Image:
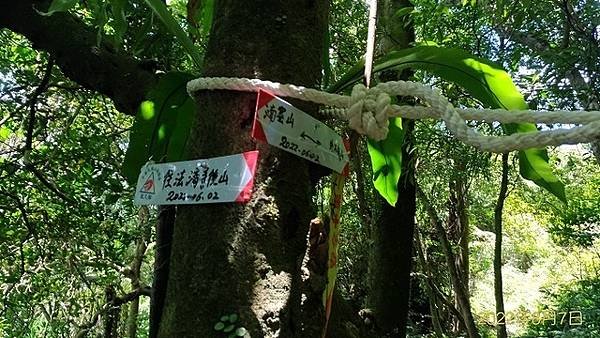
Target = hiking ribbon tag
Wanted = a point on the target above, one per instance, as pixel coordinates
(214, 180)
(284, 126)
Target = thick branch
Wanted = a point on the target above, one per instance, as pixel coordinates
(74, 46)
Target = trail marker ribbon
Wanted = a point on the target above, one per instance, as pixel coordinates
(214, 180)
(286, 127)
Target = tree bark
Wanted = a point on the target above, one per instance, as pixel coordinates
(135, 270)
(458, 227)
(111, 317)
(393, 231)
(462, 298)
(164, 235)
(247, 258)
(498, 291)
(434, 306)
(74, 47)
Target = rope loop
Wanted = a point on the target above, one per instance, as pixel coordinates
(368, 111)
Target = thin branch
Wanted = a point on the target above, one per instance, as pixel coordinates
(97, 67)
(24, 215)
(50, 185)
(498, 288)
(34, 99)
(118, 301)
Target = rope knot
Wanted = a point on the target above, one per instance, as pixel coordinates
(368, 112)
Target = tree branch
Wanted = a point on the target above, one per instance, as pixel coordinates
(33, 102)
(73, 44)
(48, 184)
(118, 301)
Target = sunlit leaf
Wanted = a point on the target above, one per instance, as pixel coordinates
(120, 21)
(208, 8)
(59, 6)
(386, 160)
(162, 125)
(484, 80)
(4, 133)
(161, 10)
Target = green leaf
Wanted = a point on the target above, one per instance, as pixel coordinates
(241, 331)
(229, 328)
(224, 318)
(4, 133)
(162, 125)
(386, 159)
(119, 20)
(161, 10)
(59, 6)
(98, 9)
(533, 164)
(219, 326)
(404, 11)
(111, 199)
(233, 318)
(208, 9)
(484, 80)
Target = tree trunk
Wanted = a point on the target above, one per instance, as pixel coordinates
(393, 231)
(498, 292)
(434, 306)
(247, 258)
(135, 271)
(164, 235)
(111, 317)
(458, 227)
(462, 298)
(392, 253)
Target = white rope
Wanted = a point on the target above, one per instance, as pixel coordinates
(368, 110)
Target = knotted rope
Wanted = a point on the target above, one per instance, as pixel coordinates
(368, 110)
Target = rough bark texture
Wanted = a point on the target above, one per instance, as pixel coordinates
(135, 271)
(111, 317)
(164, 235)
(345, 322)
(246, 258)
(74, 47)
(393, 231)
(458, 224)
(458, 228)
(498, 290)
